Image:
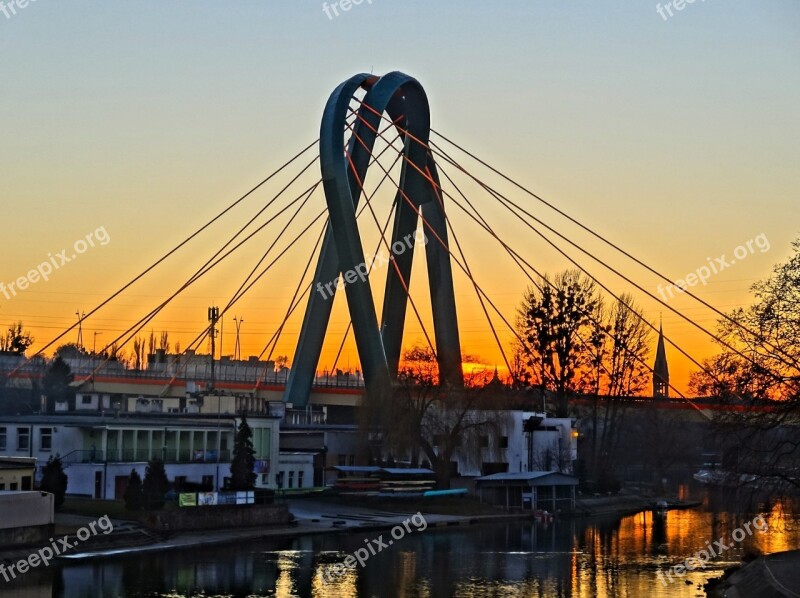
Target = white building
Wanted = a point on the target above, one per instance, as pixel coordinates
(527, 441)
(295, 470)
(100, 450)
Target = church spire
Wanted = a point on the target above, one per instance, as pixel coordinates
(660, 369)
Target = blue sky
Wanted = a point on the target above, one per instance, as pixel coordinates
(678, 138)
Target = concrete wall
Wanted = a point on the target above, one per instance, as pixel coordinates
(27, 517)
(218, 517)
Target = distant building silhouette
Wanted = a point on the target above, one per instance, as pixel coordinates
(660, 369)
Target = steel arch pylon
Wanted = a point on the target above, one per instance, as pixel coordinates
(379, 347)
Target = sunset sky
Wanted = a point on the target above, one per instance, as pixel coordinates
(677, 139)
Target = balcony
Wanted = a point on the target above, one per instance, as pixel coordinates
(143, 455)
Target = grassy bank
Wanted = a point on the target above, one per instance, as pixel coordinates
(96, 508)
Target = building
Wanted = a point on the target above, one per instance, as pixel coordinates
(534, 490)
(527, 441)
(99, 450)
(16, 473)
(660, 369)
(295, 471)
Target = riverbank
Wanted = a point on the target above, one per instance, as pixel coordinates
(311, 516)
(315, 515)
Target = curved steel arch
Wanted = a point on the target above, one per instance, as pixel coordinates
(379, 347)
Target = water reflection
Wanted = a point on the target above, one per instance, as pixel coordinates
(605, 558)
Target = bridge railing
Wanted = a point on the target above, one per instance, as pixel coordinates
(200, 374)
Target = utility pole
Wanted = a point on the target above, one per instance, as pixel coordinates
(213, 316)
(237, 350)
(80, 315)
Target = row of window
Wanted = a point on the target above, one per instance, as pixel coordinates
(290, 479)
(27, 484)
(24, 439)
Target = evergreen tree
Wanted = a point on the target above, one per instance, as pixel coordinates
(56, 384)
(155, 484)
(54, 480)
(244, 460)
(134, 495)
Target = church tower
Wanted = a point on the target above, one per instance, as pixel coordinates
(660, 369)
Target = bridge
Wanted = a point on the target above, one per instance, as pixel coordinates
(376, 141)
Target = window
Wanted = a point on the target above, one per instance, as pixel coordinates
(299, 479)
(13, 486)
(86, 399)
(291, 479)
(208, 481)
(352, 459)
(45, 439)
(2, 487)
(265, 479)
(3, 438)
(504, 442)
(23, 439)
(342, 460)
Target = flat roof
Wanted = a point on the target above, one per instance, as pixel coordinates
(357, 468)
(17, 462)
(534, 478)
(401, 471)
(135, 419)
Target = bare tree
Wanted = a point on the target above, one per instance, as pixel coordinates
(163, 342)
(425, 419)
(761, 372)
(151, 343)
(551, 321)
(138, 353)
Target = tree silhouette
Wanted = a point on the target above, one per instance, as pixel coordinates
(16, 340)
(134, 494)
(54, 480)
(552, 320)
(155, 484)
(244, 460)
(56, 384)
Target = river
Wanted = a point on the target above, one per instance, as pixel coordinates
(598, 557)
